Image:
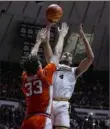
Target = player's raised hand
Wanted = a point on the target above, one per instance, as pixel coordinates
(41, 34)
(81, 32)
(64, 29)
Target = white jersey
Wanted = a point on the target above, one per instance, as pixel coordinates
(64, 83)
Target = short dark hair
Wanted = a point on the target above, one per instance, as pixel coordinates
(30, 64)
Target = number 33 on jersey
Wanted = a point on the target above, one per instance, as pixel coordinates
(33, 88)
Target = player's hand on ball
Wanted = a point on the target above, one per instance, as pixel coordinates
(42, 34)
(64, 29)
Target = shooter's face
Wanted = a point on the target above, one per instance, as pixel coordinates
(66, 58)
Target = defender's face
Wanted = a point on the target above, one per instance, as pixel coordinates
(67, 57)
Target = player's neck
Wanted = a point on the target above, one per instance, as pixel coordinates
(65, 63)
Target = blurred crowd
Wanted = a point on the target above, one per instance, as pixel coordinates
(91, 95)
(89, 123)
(10, 85)
(11, 90)
(10, 118)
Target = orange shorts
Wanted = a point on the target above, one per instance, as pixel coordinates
(37, 122)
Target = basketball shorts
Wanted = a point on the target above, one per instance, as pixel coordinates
(37, 122)
(60, 114)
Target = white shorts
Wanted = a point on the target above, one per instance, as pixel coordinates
(60, 114)
(48, 124)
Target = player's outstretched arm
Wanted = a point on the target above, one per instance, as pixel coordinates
(85, 64)
(59, 46)
(39, 39)
(47, 48)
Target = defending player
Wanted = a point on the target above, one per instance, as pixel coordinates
(36, 85)
(64, 82)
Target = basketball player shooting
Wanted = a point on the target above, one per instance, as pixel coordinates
(37, 84)
(64, 83)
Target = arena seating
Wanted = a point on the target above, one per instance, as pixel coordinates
(11, 118)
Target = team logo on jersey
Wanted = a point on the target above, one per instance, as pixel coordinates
(61, 76)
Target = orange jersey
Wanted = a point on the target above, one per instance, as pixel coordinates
(37, 90)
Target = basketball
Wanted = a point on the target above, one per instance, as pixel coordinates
(54, 13)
